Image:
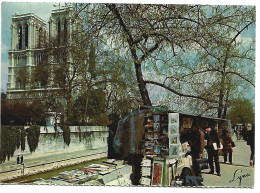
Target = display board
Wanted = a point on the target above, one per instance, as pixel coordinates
(174, 135)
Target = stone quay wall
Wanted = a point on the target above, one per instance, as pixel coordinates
(86, 143)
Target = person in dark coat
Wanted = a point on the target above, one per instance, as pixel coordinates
(250, 138)
(211, 136)
(197, 145)
(227, 145)
(18, 159)
(21, 159)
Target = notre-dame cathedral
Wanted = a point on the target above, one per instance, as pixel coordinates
(29, 34)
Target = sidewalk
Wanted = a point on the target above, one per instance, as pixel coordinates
(230, 174)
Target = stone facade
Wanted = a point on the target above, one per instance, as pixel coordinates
(29, 35)
(27, 40)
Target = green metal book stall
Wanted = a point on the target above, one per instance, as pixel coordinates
(154, 142)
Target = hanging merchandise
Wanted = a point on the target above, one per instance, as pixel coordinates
(156, 118)
(174, 136)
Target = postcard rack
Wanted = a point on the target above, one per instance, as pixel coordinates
(155, 141)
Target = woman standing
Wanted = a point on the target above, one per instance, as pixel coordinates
(227, 145)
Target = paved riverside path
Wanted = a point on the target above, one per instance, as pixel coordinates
(48, 162)
(241, 166)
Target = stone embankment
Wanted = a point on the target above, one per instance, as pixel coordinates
(48, 163)
(86, 143)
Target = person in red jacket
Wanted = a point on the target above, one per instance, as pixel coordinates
(227, 145)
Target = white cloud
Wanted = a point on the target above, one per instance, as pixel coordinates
(4, 48)
(4, 75)
(246, 40)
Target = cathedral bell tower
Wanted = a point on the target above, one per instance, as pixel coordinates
(28, 38)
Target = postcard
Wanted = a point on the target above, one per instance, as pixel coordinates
(93, 92)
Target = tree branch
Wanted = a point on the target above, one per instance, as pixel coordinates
(180, 94)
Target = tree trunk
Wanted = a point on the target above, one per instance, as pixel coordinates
(220, 104)
(226, 104)
(221, 96)
(69, 108)
(142, 85)
(84, 116)
(137, 62)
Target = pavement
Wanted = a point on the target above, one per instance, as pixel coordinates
(239, 174)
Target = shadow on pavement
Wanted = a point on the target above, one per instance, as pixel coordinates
(237, 165)
(209, 174)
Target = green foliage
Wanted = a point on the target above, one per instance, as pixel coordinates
(68, 64)
(41, 74)
(33, 135)
(80, 109)
(91, 105)
(11, 137)
(242, 111)
(37, 112)
(22, 77)
(97, 108)
(66, 134)
(23, 138)
(14, 113)
(21, 112)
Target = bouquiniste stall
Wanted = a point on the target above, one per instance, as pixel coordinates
(154, 142)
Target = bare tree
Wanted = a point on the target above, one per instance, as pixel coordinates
(160, 36)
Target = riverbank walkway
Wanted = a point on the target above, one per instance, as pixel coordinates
(33, 165)
(231, 174)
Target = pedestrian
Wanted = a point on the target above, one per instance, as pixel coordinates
(18, 159)
(243, 132)
(21, 159)
(227, 145)
(197, 145)
(212, 138)
(250, 138)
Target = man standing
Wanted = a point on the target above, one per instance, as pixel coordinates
(197, 146)
(18, 159)
(22, 159)
(250, 138)
(211, 136)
